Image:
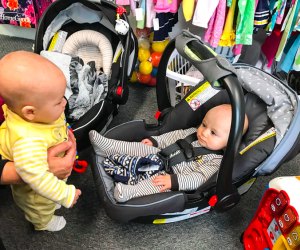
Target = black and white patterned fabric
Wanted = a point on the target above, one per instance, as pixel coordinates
(132, 169)
(280, 100)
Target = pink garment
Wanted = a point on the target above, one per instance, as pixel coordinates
(132, 6)
(271, 44)
(237, 49)
(281, 13)
(122, 2)
(150, 13)
(164, 6)
(174, 6)
(216, 24)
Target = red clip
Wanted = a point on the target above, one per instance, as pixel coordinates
(157, 115)
(121, 10)
(119, 90)
(80, 166)
(213, 200)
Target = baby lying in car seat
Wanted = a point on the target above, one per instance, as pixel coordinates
(180, 173)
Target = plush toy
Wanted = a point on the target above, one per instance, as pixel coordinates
(121, 27)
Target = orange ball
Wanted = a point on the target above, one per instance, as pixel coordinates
(155, 58)
(144, 78)
(145, 67)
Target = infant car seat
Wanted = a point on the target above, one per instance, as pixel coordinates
(270, 105)
(82, 33)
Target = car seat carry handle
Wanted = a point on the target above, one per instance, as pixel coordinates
(216, 69)
(209, 63)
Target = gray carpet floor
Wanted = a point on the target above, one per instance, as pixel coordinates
(88, 227)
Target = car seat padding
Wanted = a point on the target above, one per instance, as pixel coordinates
(90, 45)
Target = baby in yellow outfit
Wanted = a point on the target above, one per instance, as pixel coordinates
(33, 89)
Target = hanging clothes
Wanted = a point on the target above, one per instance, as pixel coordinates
(291, 61)
(216, 24)
(203, 12)
(188, 9)
(291, 22)
(261, 15)
(228, 35)
(244, 30)
(274, 9)
(271, 44)
(296, 65)
(140, 24)
(166, 23)
(281, 12)
(150, 13)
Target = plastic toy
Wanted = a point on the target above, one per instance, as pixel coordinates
(154, 71)
(152, 82)
(158, 46)
(143, 78)
(144, 43)
(145, 67)
(155, 58)
(276, 224)
(79, 166)
(122, 27)
(143, 54)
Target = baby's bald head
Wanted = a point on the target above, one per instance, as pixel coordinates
(26, 78)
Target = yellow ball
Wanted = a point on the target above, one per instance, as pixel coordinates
(158, 46)
(143, 54)
(145, 67)
(133, 77)
(166, 42)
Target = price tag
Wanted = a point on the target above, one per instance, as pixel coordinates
(155, 23)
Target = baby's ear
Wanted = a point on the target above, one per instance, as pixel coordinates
(28, 112)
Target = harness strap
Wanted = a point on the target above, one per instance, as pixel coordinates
(187, 152)
(178, 145)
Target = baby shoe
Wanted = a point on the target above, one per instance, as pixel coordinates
(57, 223)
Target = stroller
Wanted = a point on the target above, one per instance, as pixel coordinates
(84, 33)
(268, 102)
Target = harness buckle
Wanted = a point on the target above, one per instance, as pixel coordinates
(187, 148)
(165, 161)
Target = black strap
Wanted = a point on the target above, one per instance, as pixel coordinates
(178, 145)
(187, 152)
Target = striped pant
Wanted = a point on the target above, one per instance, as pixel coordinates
(104, 147)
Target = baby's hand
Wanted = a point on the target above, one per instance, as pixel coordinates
(164, 181)
(147, 142)
(77, 194)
